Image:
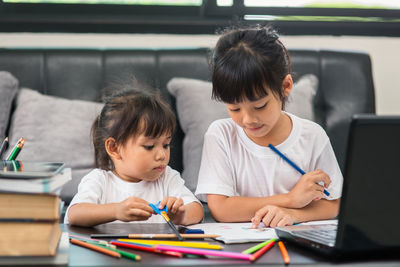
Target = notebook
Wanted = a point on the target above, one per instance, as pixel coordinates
(369, 213)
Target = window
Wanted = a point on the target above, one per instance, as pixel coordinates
(292, 17)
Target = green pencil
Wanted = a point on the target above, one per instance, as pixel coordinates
(14, 153)
(257, 247)
(123, 253)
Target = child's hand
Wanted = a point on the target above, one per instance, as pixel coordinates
(308, 189)
(133, 209)
(175, 208)
(273, 216)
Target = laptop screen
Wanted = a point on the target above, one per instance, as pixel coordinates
(370, 207)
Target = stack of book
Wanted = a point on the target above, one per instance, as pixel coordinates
(30, 214)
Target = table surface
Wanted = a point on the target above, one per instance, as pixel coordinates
(79, 256)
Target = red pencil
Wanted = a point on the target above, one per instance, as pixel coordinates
(146, 248)
(261, 251)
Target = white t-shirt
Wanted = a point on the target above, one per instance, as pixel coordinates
(102, 187)
(233, 165)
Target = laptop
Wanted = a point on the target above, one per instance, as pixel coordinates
(369, 216)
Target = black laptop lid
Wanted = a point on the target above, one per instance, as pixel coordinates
(370, 208)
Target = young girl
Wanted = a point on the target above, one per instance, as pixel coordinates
(241, 178)
(131, 138)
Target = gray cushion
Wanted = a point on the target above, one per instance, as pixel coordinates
(196, 110)
(8, 89)
(300, 100)
(56, 129)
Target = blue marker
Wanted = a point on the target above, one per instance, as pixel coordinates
(292, 164)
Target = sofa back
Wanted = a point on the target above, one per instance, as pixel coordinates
(345, 79)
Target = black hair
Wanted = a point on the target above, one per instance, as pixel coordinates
(247, 62)
(126, 114)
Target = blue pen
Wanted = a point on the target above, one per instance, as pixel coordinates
(292, 164)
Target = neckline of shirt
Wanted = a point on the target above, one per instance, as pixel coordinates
(265, 151)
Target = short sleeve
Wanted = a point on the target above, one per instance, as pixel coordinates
(327, 162)
(176, 187)
(216, 172)
(90, 190)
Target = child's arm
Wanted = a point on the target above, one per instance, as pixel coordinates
(237, 209)
(273, 216)
(190, 213)
(131, 209)
(241, 209)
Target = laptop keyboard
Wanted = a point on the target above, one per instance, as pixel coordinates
(325, 234)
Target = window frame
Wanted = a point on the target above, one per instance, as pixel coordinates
(205, 19)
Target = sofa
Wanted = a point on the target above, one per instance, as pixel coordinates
(51, 96)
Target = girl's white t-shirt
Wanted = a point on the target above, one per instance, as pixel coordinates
(103, 187)
(233, 165)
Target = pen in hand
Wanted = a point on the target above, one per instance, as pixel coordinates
(292, 164)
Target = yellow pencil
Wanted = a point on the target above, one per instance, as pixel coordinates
(173, 243)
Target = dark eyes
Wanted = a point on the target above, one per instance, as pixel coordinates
(263, 106)
(165, 146)
(257, 108)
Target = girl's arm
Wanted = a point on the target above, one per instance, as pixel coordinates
(273, 216)
(88, 214)
(193, 213)
(241, 209)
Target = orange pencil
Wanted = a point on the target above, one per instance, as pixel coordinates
(95, 248)
(285, 255)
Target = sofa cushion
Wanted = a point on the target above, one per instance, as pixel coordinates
(196, 110)
(8, 89)
(56, 129)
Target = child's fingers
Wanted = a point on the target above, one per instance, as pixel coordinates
(144, 207)
(176, 205)
(267, 219)
(286, 220)
(260, 215)
(163, 203)
(139, 214)
(322, 177)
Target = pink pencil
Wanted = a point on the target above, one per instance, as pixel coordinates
(209, 252)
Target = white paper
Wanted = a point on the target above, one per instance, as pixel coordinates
(230, 233)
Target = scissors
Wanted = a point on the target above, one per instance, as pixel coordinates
(163, 212)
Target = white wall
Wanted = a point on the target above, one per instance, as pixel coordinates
(383, 50)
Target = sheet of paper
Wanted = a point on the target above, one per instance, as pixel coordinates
(237, 232)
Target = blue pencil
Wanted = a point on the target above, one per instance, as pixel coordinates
(292, 164)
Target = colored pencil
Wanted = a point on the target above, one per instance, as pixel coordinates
(154, 236)
(261, 251)
(196, 251)
(95, 248)
(171, 225)
(292, 163)
(147, 248)
(17, 148)
(285, 254)
(123, 253)
(257, 247)
(98, 241)
(3, 147)
(173, 243)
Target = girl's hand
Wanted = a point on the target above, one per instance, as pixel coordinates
(273, 216)
(308, 189)
(175, 208)
(133, 209)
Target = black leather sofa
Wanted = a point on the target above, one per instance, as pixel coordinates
(345, 79)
